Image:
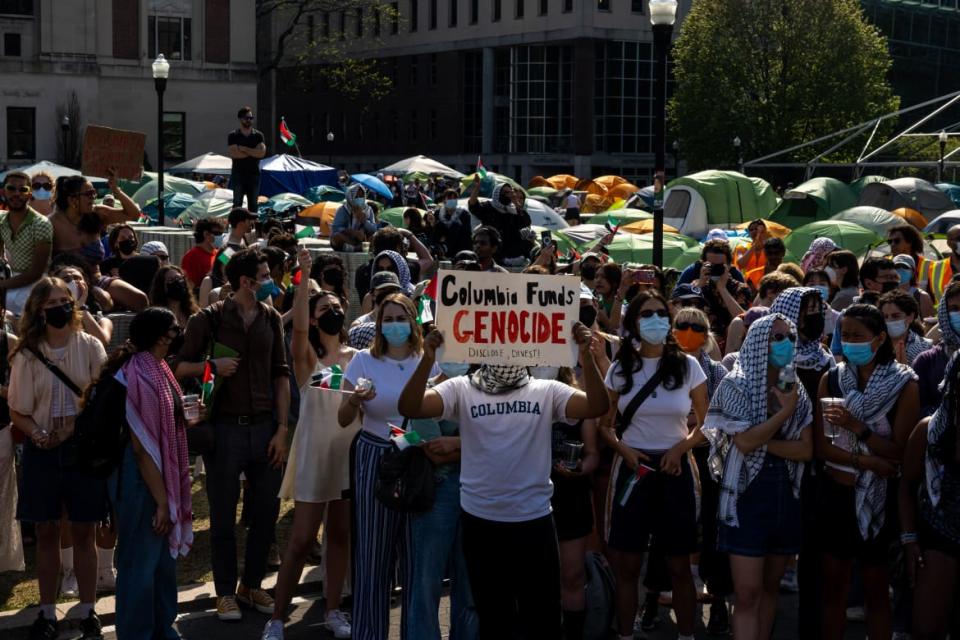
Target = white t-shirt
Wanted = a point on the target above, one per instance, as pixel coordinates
(389, 376)
(505, 446)
(661, 421)
(572, 201)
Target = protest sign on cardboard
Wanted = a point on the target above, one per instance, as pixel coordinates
(105, 148)
(507, 318)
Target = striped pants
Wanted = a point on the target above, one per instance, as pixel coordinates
(379, 543)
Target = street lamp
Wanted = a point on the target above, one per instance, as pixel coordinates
(663, 13)
(330, 138)
(943, 147)
(161, 69)
(65, 128)
(736, 152)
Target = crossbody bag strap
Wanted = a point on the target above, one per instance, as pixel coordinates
(638, 400)
(64, 378)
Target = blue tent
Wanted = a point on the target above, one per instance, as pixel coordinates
(290, 174)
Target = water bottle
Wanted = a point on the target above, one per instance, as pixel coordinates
(788, 378)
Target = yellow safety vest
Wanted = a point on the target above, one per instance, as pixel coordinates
(940, 274)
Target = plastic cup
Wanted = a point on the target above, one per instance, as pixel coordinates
(830, 430)
(571, 453)
(191, 407)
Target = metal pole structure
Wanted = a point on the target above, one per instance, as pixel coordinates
(661, 44)
(161, 69)
(942, 138)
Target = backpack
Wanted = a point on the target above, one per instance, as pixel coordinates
(405, 480)
(101, 431)
(600, 597)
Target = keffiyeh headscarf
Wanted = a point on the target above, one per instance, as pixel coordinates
(947, 332)
(741, 403)
(496, 379)
(811, 354)
(403, 269)
(495, 197)
(870, 407)
(818, 250)
(714, 370)
(939, 423)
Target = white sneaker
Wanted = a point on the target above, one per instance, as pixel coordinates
(788, 583)
(273, 630)
(107, 580)
(337, 624)
(68, 586)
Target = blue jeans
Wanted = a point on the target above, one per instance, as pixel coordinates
(146, 572)
(436, 546)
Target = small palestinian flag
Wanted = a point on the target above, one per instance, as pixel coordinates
(226, 254)
(612, 224)
(481, 170)
(426, 301)
(207, 384)
(288, 137)
(329, 378)
(305, 231)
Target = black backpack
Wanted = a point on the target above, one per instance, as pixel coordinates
(101, 431)
(405, 480)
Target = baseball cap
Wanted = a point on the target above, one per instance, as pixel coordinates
(905, 260)
(154, 247)
(383, 279)
(718, 234)
(585, 293)
(239, 215)
(686, 291)
(590, 254)
(465, 256)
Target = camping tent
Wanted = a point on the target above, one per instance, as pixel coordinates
(846, 235)
(679, 251)
(858, 185)
(952, 191)
(815, 199)
(421, 164)
(943, 223)
(206, 163)
(55, 170)
(708, 199)
(912, 193)
(877, 220)
(171, 184)
(542, 215)
(289, 174)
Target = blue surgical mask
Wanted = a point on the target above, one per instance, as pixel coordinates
(824, 292)
(396, 333)
(905, 275)
(454, 369)
(450, 205)
(265, 289)
(955, 321)
(218, 241)
(359, 202)
(654, 329)
(781, 353)
(42, 194)
(857, 353)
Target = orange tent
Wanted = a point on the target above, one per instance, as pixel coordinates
(593, 203)
(591, 186)
(912, 216)
(563, 181)
(323, 211)
(775, 229)
(611, 181)
(645, 226)
(538, 181)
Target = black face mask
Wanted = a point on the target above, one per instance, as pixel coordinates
(59, 317)
(177, 290)
(333, 277)
(505, 198)
(127, 246)
(588, 272)
(889, 286)
(331, 322)
(588, 315)
(812, 326)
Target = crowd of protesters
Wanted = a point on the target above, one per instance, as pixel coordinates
(745, 427)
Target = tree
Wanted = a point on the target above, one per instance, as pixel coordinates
(775, 73)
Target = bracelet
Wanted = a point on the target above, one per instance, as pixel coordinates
(908, 537)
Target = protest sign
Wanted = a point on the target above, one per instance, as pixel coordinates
(105, 148)
(507, 318)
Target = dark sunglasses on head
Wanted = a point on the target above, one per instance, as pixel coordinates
(777, 337)
(42, 185)
(649, 313)
(10, 188)
(683, 326)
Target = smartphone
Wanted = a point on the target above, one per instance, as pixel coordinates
(644, 276)
(546, 238)
(717, 269)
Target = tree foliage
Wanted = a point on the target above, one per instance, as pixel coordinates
(775, 73)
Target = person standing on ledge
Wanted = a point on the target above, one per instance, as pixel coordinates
(246, 146)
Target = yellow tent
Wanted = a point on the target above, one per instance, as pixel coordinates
(538, 181)
(323, 211)
(912, 216)
(562, 181)
(645, 226)
(775, 229)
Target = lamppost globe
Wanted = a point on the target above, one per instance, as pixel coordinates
(663, 12)
(161, 68)
(943, 137)
(330, 137)
(736, 142)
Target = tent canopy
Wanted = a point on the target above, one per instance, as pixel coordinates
(943, 223)
(815, 199)
(289, 174)
(911, 193)
(877, 220)
(171, 184)
(679, 251)
(952, 191)
(858, 185)
(847, 235)
(54, 169)
(421, 164)
(206, 163)
(700, 201)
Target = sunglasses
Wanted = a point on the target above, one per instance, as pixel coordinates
(42, 185)
(649, 313)
(247, 118)
(777, 337)
(895, 240)
(15, 189)
(683, 326)
(92, 193)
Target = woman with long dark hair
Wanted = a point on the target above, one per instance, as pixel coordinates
(170, 289)
(150, 490)
(653, 493)
(902, 316)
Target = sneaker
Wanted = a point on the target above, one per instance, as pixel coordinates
(650, 619)
(788, 583)
(856, 614)
(273, 630)
(91, 627)
(273, 557)
(719, 622)
(43, 629)
(68, 586)
(227, 609)
(255, 599)
(337, 624)
(107, 580)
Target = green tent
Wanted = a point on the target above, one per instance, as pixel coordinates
(815, 199)
(697, 202)
(873, 218)
(543, 192)
(952, 191)
(171, 184)
(858, 185)
(486, 184)
(395, 215)
(679, 251)
(174, 204)
(324, 193)
(847, 235)
(284, 201)
(205, 208)
(620, 216)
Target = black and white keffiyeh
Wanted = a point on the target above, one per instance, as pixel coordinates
(714, 370)
(739, 404)
(916, 345)
(495, 198)
(870, 407)
(939, 423)
(496, 379)
(403, 269)
(811, 354)
(947, 333)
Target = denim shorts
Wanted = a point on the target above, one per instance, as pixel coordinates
(769, 516)
(49, 484)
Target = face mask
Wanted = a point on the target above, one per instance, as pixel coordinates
(59, 317)
(333, 277)
(689, 340)
(177, 290)
(359, 202)
(505, 198)
(896, 328)
(127, 246)
(824, 292)
(265, 289)
(889, 286)
(588, 272)
(74, 289)
(813, 326)
(454, 369)
(832, 274)
(654, 329)
(588, 315)
(512, 209)
(396, 333)
(781, 353)
(905, 275)
(544, 373)
(450, 205)
(955, 321)
(42, 194)
(217, 242)
(857, 353)
(331, 322)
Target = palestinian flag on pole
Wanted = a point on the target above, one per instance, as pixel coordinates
(426, 302)
(305, 231)
(329, 378)
(226, 254)
(207, 383)
(481, 170)
(288, 137)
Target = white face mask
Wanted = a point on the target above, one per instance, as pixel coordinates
(42, 194)
(74, 289)
(896, 328)
(544, 373)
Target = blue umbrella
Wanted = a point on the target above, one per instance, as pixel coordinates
(373, 183)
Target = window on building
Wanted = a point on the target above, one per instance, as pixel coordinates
(518, 9)
(343, 25)
(603, 5)
(474, 11)
(624, 97)
(11, 45)
(433, 15)
(21, 133)
(17, 7)
(496, 10)
(636, 6)
(452, 14)
(414, 71)
(395, 25)
(541, 99)
(472, 100)
(433, 70)
(325, 24)
(174, 136)
(414, 129)
(359, 27)
(433, 124)
(567, 6)
(169, 36)
(544, 7)
(414, 15)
